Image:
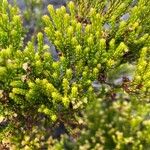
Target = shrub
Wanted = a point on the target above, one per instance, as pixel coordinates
(79, 90)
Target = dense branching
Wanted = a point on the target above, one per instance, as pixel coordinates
(99, 82)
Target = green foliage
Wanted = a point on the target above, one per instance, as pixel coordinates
(117, 125)
(78, 91)
(11, 29)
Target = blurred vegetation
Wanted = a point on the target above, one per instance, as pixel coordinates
(95, 95)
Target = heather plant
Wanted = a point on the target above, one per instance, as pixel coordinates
(118, 119)
(11, 29)
(99, 82)
(122, 20)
